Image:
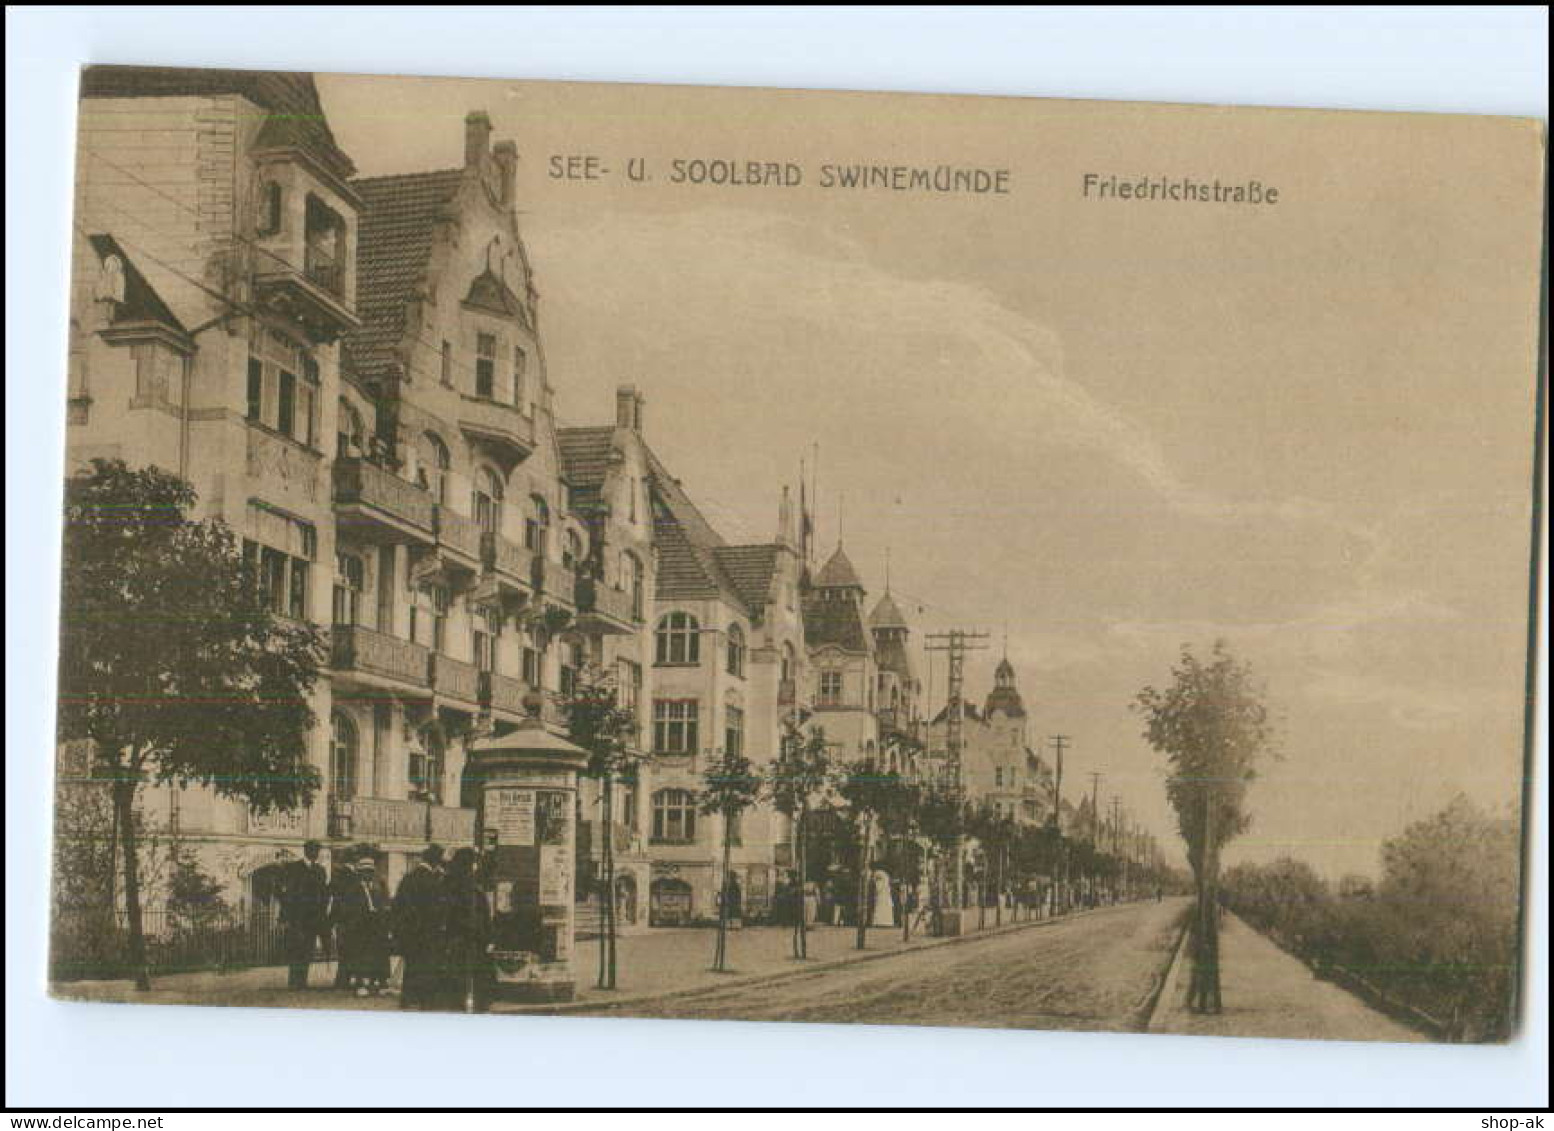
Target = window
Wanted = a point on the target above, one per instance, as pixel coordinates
(275, 363)
(348, 431)
(572, 550)
(678, 640)
(441, 463)
(830, 689)
(282, 580)
(255, 388)
(488, 501)
(734, 731)
(531, 667)
(487, 627)
(485, 365)
(629, 690)
(520, 371)
(998, 775)
(674, 726)
(674, 816)
(437, 602)
(426, 767)
(635, 584)
(447, 363)
(270, 204)
(348, 588)
(571, 665)
(787, 664)
(343, 748)
(537, 525)
(736, 650)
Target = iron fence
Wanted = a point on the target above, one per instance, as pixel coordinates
(94, 943)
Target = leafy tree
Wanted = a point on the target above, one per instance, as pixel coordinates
(598, 724)
(801, 774)
(876, 799)
(171, 663)
(732, 786)
(1212, 725)
(941, 820)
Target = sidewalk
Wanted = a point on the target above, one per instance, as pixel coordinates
(1270, 993)
(660, 962)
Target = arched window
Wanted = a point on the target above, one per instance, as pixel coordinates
(536, 527)
(572, 550)
(678, 640)
(349, 433)
(439, 463)
(635, 583)
(342, 756)
(488, 500)
(736, 650)
(674, 816)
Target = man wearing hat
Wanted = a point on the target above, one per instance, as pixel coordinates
(304, 899)
(420, 919)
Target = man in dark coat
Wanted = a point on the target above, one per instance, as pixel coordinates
(420, 925)
(304, 900)
(468, 984)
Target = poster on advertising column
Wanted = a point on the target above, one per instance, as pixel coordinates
(511, 813)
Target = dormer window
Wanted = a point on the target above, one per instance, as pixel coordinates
(520, 378)
(323, 254)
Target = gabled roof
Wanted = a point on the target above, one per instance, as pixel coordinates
(296, 116)
(969, 711)
(142, 304)
(838, 573)
(887, 614)
(750, 569)
(394, 244)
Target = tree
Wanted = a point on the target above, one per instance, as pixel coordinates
(171, 661)
(801, 774)
(1212, 725)
(598, 724)
(731, 787)
(941, 819)
(875, 799)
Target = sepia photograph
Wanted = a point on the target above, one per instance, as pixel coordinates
(604, 550)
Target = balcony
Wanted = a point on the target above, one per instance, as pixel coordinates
(313, 297)
(502, 428)
(514, 570)
(505, 696)
(604, 609)
(458, 538)
(376, 818)
(378, 660)
(455, 680)
(376, 505)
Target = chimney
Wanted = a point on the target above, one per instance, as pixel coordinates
(506, 154)
(785, 520)
(477, 138)
(627, 412)
(636, 418)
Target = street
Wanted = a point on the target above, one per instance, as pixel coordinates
(1097, 971)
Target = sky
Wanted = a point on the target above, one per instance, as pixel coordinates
(1097, 431)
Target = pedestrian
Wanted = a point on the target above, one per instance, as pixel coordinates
(469, 979)
(341, 878)
(361, 923)
(420, 926)
(304, 900)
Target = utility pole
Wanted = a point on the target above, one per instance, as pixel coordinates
(1059, 741)
(956, 643)
(1116, 859)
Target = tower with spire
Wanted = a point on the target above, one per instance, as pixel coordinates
(842, 658)
(899, 690)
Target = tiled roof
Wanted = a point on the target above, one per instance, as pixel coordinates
(394, 243)
(585, 455)
(838, 622)
(296, 115)
(969, 711)
(838, 573)
(750, 568)
(141, 301)
(1007, 700)
(887, 614)
(688, 567)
